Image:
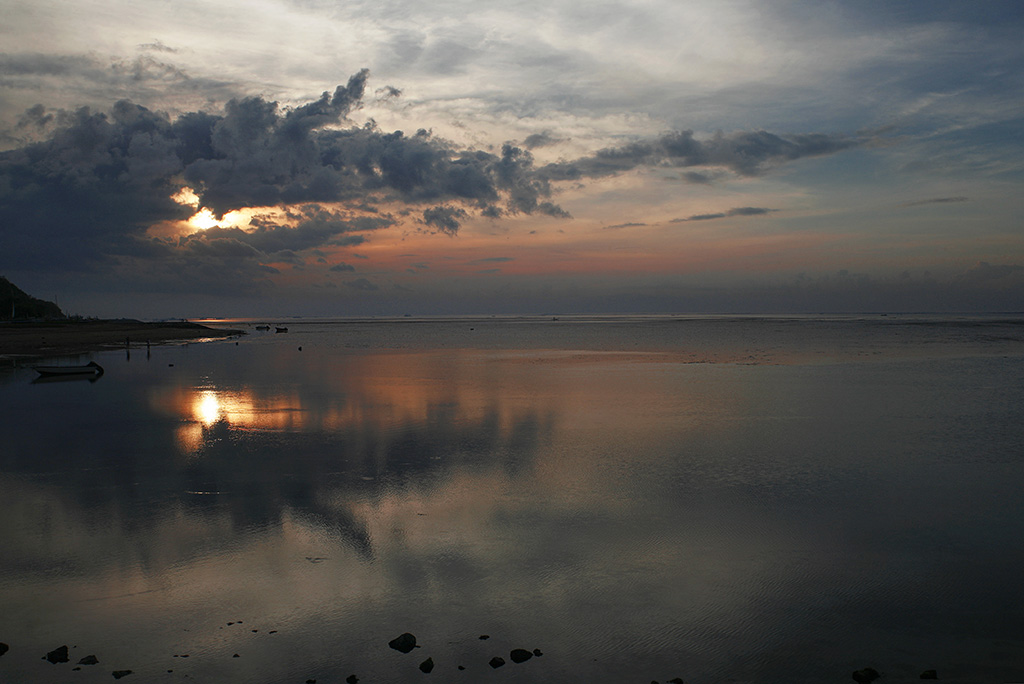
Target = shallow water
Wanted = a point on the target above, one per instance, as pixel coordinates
(716, 499)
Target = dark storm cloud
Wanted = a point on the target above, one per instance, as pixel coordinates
(342, 267)
(735, 211)
(744, 153)
(85, 196)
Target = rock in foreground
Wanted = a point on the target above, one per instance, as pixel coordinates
(58, 655)
(404, 643)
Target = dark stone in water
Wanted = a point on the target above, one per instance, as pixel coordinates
(404, 643)
(497, 662)
(351, 679)
(236, 656)
(485, 637)
(677, 680)
(520, 655)
(866, 676)
(4, 648)
(310, 681)
(462, 667)
(75, 669)
(120, 673)
(58, 655)
(89, 660)
(427, 665)
(929, 674)
(537, 652)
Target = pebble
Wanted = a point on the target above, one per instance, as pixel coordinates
(496, 662)
(120, 673)
(427, 666)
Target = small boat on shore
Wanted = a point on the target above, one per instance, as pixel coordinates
(281, 330)
(91, 368)
(263, 327)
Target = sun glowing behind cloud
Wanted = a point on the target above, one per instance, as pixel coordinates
(204, 219)
(186, 196)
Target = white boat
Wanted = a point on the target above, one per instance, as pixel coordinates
(91, 368)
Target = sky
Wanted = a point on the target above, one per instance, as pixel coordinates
(335, 158)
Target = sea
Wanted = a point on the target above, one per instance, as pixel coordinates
(570, 499)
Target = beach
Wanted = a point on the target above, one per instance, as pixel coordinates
(55, 338)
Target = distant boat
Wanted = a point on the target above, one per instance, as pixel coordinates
(280, 329)
(91, 368)
(263, 327)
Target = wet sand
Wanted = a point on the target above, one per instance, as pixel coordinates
(54, 338)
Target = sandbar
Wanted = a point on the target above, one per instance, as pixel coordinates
(56, 338)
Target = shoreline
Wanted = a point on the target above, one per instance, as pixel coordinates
(40, 339)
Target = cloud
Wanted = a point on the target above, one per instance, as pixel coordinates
(735, 211)
(749, 211)
(86, 196)
(156, 46)
(387, 93)
(936, 200)
(444, 218)
(540, 140)
(744, 153)
(984, 272)
(492, 260)
(362, 284)
(624, 225)
(342, 267)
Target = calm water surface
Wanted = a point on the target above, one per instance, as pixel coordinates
(716, 499)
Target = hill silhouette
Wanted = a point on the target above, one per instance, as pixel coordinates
(15, 304)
